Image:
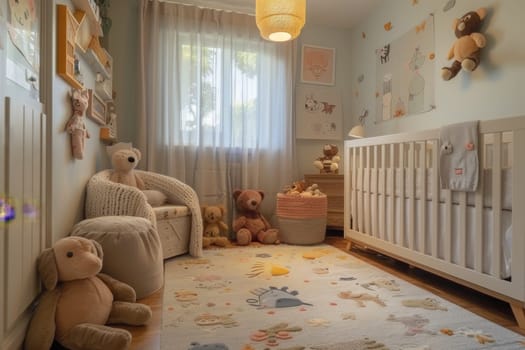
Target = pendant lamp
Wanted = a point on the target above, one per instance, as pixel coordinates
(280, 20)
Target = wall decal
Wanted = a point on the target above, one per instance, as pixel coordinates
(405, 73)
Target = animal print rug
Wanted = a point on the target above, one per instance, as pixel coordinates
(309, 297)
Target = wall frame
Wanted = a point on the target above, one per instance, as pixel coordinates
(97, 108)
(318, 65)
(67, 28)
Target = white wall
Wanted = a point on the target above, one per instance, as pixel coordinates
(308, 150)
(69, 176)
(494, 90)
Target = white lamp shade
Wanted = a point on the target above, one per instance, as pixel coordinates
(280, 20)
(357, 132)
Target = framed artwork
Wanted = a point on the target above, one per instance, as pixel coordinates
(319, 113)
(96, 108)
(22, 45)
(317, 65)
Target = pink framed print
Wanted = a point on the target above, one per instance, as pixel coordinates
(317, 65)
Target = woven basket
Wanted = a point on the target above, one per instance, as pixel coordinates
(302, 220)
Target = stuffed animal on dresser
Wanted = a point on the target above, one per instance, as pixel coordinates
(76, 125)
(329, 162)
(79, 301)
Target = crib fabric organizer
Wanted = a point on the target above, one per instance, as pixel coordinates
(395, 204)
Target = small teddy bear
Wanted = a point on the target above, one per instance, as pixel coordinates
(214, 226)
(79, 301)
(76, 125)
(329, 162)
(124, 161)
(249, 224)
(466, 49)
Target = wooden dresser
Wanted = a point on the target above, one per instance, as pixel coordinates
(333, 186)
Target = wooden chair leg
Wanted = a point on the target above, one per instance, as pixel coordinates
(519, 314)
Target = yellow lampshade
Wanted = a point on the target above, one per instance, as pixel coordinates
(280, 20)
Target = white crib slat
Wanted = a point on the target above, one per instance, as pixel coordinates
(423, 197)
(353, 205)
(448, 226)
(392, 194)
(435, 199)
(382, 202)
(462, 228)
(360, 215)
(402, 174)
(496, 206)
(411, 195)
(478, 211)
(367, 204)
(374, 188)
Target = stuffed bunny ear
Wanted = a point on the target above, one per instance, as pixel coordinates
(455, 23)
(47, 268)
(98, 249)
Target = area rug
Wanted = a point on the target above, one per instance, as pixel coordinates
(313, 298)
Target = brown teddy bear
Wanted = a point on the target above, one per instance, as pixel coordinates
(329, 162)
(214, 226)
(467, 48)
(79, 301)
(124, 162)
(249, 224)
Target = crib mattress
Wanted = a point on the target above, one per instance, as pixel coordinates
(401, 236)
(376, 180)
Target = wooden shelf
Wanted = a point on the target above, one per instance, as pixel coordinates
(95, 63)
(67, 28)
(93, 18)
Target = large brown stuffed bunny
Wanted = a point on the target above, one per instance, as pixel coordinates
(249, 224)
(467, 48)
(79, 301)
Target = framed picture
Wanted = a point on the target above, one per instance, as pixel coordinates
(96, 108)
(317, 65)
(319, 113)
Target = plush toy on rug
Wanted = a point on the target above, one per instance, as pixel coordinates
(466, 49)
(214, 226)
(76, 125)
(124, 162)
(329, 162)
(249, 224)
(79, 301)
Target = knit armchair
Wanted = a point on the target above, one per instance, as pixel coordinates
(108, 198)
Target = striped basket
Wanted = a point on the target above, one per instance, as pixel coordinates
(302, 220)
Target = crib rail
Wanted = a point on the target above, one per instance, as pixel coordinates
(394, 203)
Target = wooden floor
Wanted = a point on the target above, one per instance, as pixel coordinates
(148, 337)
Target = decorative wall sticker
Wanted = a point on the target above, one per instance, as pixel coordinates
(388, 26)
(415, 90)
(450, 4)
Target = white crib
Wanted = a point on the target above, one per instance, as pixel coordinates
(394, 204)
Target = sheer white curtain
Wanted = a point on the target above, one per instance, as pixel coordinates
(216, 102)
